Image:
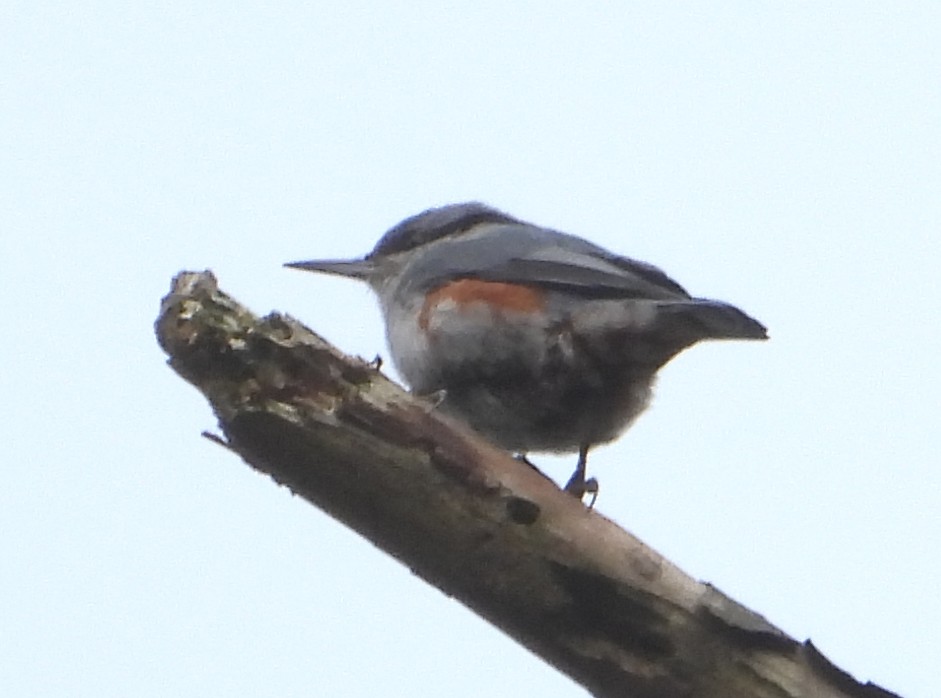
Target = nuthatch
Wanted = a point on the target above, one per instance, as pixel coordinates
(540, 340)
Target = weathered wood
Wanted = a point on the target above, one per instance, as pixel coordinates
(567, 583)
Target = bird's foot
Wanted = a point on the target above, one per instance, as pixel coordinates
(578, 487)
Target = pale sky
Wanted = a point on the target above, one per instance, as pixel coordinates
(782, 156)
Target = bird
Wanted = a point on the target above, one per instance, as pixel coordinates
(540, 340)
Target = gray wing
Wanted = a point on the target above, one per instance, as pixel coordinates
(521, 253)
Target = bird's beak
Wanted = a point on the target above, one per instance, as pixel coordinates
(352, 268)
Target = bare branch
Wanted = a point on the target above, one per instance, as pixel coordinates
(580, 592)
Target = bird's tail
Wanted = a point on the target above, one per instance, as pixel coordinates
(699, 318)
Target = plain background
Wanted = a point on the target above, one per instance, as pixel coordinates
(784, 156)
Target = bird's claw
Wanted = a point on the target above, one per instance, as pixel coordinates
(578, 487)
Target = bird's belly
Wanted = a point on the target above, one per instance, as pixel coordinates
(550, 415)
(522, 381)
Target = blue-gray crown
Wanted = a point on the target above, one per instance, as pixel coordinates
(437, 223)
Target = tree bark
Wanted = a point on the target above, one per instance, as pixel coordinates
(485, 528)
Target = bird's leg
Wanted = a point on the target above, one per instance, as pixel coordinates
(577, 485)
